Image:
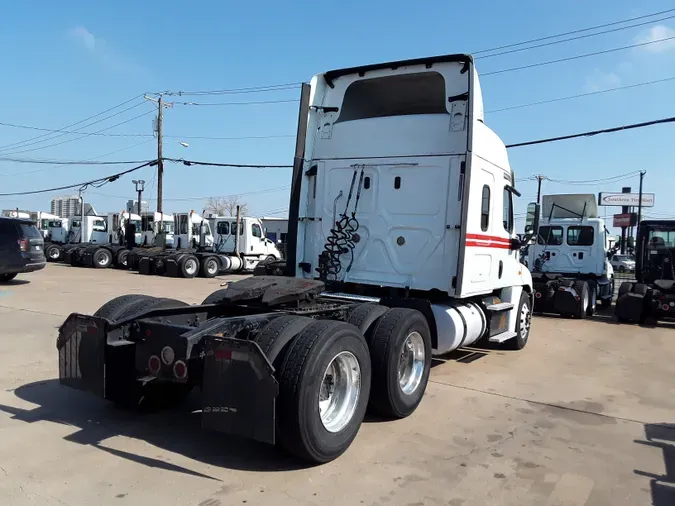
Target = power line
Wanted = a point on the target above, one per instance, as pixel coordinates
(76, 123)
(235, 165)
(570, 97)
(517, 50)
(581, 30)
(78, 162)
(610, 179)
(595, 132)
(259, 102)
(93, 182)
(28, 127)
(204, 197)
(236, 91)
(88, 161)
(76, 131)
(258, 137)
(576, 57)
(79, 138)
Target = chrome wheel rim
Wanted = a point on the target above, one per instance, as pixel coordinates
(411, 363)
(212, 267)
(525, 321)
(191, 266)
(53, 253)
(102, 259)
(585, 301)
(339, 391)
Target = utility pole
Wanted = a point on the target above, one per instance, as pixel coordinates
(160, 158)
(639, 216)
(140, 186)
(539, 180)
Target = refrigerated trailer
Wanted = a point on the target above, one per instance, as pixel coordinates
(401, 245)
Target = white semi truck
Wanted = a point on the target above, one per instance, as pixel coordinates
(401, 246)
(100, 242)
(570, 258)
(207, 246)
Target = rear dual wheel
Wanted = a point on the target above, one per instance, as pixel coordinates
(102, 258)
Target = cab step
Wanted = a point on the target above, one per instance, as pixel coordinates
(498, 308)
(504, 336)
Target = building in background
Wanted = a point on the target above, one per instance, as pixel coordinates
(65, 207)
(132, 206)
(275, 229)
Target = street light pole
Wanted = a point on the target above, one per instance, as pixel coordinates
(140, 186)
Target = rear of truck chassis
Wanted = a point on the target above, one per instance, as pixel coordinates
(401, 245)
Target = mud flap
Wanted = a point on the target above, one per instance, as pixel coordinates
(239, 389)
(81, 346)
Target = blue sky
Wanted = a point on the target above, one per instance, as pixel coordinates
(65, 61)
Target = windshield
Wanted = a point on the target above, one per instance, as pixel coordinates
(136, 223)
(167, 227)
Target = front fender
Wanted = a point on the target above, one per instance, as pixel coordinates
(526, 278)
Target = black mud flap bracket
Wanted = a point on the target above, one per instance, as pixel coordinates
(81, 346)
(239, 389)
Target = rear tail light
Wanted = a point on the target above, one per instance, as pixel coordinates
(24, 245)
(180, 370)
(154, 364)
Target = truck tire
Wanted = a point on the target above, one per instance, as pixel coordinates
(324, 382)
(210, 267)
(364, 316)
(523, 324)
(188, 265)
(274, 337)
(122, 259)
(626, 287)
(607, 301)
(102, 258)
(4, 278)
(53, 253)
(581, 287)
(113, 307)
(400, 351)
(592, 299)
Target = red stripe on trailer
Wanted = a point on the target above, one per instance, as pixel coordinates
(491, 238)
(485, 244)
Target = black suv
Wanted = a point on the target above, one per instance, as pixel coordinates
(21, 248)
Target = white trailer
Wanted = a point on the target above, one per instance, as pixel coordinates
(401, 246)
(570, 258)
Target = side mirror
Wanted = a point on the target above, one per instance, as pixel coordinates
(532, 219)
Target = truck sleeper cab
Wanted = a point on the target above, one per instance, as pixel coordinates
(569, 260)
(401, 245)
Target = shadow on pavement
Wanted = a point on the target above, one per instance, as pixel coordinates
(14, 282)
(661, 436)
(178, 431)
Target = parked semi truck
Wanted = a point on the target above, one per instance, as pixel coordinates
(102, 242)
(569, 260)
(207, 246)
(652, 297)
(401, 245)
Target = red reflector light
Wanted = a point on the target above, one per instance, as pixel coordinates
(665, 307)
(24, 245)
(154, 364)
(180, 370)
(538, 295)
(148, 333)
(561, 289)
(224, 354)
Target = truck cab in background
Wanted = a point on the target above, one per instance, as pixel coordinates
(653, 296)
(250, 244)
(153, 223)
(569, 260)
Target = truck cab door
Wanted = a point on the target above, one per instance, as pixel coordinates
(585, 250)
(256, 240)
